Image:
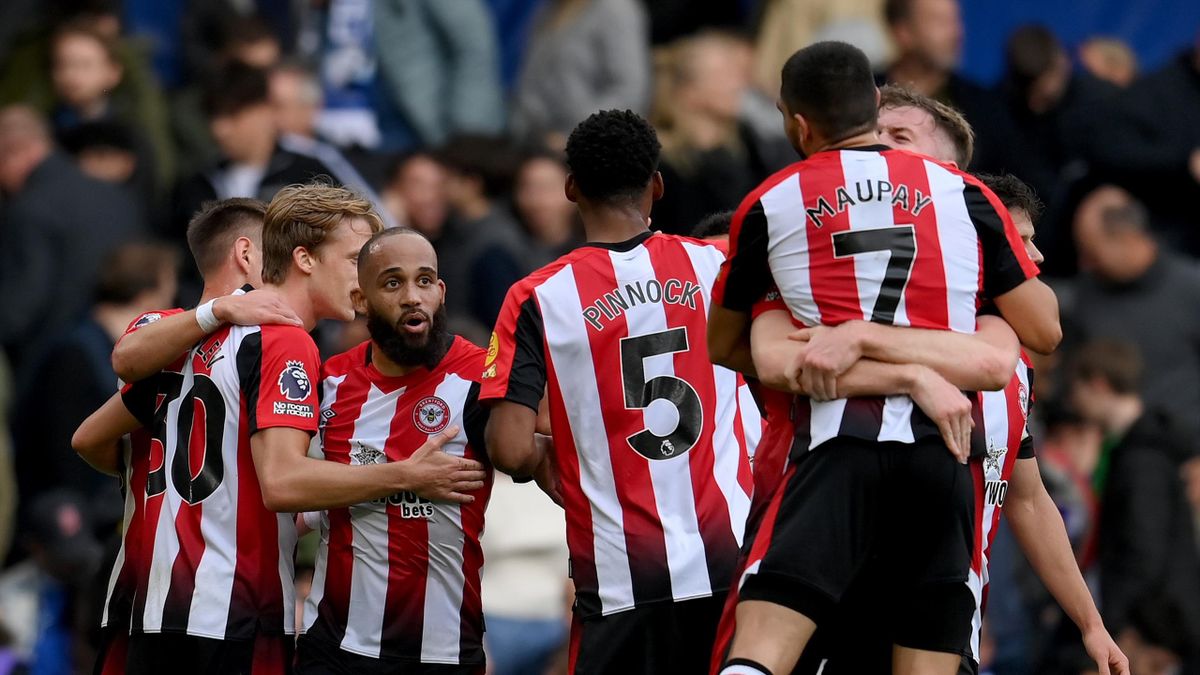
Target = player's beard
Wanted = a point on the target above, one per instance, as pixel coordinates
(409, 350)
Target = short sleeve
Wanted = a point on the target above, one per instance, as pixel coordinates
(1006, 265)
(141, 399)
(515, 366)
(745, 276)
(475, 418)
(1027, 450)
(770, 302)
(276, 366)
(147, 318)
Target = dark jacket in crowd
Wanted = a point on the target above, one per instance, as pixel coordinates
(1149, 566)
(285, 168)
(479, 261)
(54, 234)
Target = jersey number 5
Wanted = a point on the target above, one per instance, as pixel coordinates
(901, 242)
(640, 393)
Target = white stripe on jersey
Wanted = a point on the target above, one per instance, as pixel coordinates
(570, 353)
(127, 518)
(706, 262)
(962, 272)
(781, 205)
(369, 526)
(870, 267)
(329, 394)
(671, 478)
(441, 631)
(166, 542)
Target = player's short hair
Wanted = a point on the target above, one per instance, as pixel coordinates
(491, 159)
(613, 155)
(364, 253)
(1014, 193)
(218, 224)
(1117, 363)
(713, 225)
(304, 215)
(133, 269)
(234, 88)
(897, 11)
(832, 86)
(945, 117)
(84, 27)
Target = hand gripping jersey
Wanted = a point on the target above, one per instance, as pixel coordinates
(650, 439)
(872, 234)
(398, 578)
(219, 564)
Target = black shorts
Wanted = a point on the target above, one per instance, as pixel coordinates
(902, 511)
(156, 653)
(665, 637)
(317, 657)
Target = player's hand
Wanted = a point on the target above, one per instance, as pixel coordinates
(1109, 658)
(949, 408)
(439, 477)
(830, 352)
(256, 308)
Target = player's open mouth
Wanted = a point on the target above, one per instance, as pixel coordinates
(414, 323)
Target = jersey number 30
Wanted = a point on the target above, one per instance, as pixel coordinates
(640, 393)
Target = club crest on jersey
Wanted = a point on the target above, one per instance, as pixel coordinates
(1023, 398)
(294, 384)
(431, 414)
(147, 319)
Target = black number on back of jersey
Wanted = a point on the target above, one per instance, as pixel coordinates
(640, 393)
(204, 405)
(901, 241)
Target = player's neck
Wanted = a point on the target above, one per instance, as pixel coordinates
(613, 224)
(219, 285)
(866, 138)
(296, 295)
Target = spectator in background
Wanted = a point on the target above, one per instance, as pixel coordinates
(1109, 59)
(488, 254)
(1135, 291)
(76, 374)
(87, 75)
(788, 25)
(415, 195)
(253, 164)
(540, 201)
(710, 160)
(1150, 144)
(583, 56)
(439, 71)
(296, 96)
(108, 151)
(56, 226)
(1149, 565)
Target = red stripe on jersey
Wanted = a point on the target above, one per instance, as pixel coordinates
(1010, 229)
(576, 507)
(404, 608)
(977, 478)
(645, 539)
(255, 566)
(712, 514)
(143, 541)
(339, 570)
(833, 280)
(925, 295)
(183, 569)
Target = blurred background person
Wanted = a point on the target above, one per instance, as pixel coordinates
(788, 25)
(56, 226)
(76, 374)
(540, 203)
(1149, 564)
(415, 195)
(583, 56)
(1109, 59)
(108, 151)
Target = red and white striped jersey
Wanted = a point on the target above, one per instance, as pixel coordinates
(873, 234)
(218, 563)
(650, 439)
(1000, 418)
(398, 579)
(142, 452)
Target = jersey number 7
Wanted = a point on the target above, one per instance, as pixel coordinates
(640, 393)
(901, 242)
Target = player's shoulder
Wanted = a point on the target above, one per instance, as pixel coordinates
(465, 359)
(147, 318)
(346, 362)
(715, 249)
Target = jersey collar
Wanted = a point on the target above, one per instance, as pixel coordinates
(622, 246)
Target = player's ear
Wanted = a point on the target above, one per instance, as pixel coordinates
(442, 287)
(242, 253)
(359, 300)
(571, 189)
(656, 186)
(303, 259)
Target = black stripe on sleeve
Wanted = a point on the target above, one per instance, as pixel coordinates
(527, 375)
(1026, 450)
(749, 276)
(475, 418)
(249, 365)
(1002, 270)
(140, 399)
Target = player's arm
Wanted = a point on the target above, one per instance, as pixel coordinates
(512, 446)
(778, 360)
(291, 481)
(983, 361)
(151, 347)
(98, 438)
(1039, 529)
(1009, 276)
(744, 279)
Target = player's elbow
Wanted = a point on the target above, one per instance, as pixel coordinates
(92, 449)
(125, 364)
(278, 496)
(995, 369)
(1043, 339)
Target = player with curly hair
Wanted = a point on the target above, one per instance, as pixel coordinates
(650, 440)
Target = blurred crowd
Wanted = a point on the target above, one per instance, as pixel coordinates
(119, 119)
